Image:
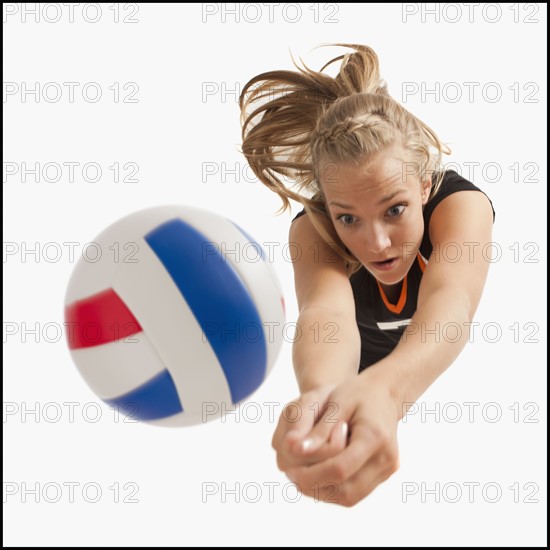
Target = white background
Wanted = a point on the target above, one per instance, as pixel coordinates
(175, 54)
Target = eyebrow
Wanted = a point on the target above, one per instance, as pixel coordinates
(383, 200)
(340, 204)
(389, 197)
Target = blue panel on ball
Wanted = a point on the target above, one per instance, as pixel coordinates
(157, 398)
(219, 301)
(256, 244)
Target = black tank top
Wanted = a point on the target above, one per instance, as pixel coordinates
(381, 323)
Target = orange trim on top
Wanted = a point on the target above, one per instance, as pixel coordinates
(421, 261)
(397, 308)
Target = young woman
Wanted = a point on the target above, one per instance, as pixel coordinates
(389, 267)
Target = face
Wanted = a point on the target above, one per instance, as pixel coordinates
(376, 209)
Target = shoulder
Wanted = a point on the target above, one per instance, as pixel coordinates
(451, 184)
(452, 208)
(461, 217)
(301, 213)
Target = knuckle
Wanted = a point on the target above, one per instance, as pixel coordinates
(347, 499)
(391, 457)
(282, 464)
(342, 496)
(384, 439)
(376, 435)
(339, 473)
(394, 465)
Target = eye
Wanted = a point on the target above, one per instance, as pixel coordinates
(396, 210)
(346, 219)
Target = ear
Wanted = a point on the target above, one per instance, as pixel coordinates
(426, 188)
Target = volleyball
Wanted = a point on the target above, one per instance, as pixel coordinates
(172, 315)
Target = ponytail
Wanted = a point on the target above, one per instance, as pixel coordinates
(276, 134)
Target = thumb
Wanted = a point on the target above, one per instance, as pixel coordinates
(301, 416)
(329, 429)
(295, 423)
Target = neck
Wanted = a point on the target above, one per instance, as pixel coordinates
(392, 292)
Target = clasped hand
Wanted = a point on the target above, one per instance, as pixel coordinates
(338, 443)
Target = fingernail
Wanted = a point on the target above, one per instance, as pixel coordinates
(344, 429)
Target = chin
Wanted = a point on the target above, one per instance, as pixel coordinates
(389, 280)
(385, 279)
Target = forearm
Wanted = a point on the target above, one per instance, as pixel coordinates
(438, 332)
(326, 349)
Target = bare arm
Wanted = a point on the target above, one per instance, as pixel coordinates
(326, 350)
(449, 295)
(327, 344)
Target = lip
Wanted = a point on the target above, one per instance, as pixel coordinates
(381, 266)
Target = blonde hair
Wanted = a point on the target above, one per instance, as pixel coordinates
(293, 120)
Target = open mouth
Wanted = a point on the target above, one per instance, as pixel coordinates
(386, 264)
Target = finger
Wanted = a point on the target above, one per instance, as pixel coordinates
(330, 428)
(339, 436)
(293, 420)
(354, 489)
(295, 456)
(363, 444)
(363, 483)
(321, 443)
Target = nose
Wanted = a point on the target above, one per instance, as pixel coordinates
(377, 239)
